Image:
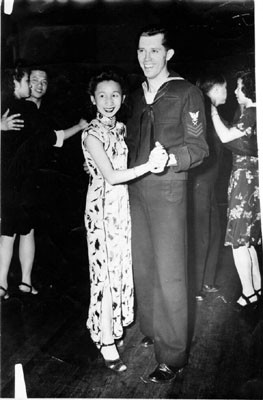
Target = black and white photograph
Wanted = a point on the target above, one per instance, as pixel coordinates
(130, 226)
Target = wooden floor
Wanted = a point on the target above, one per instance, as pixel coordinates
(47, 334)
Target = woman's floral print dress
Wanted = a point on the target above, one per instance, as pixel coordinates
(108, 224)
(243, 227)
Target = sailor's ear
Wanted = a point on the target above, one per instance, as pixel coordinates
(169, 54)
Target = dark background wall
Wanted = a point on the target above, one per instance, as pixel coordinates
(75, 37)
(102, 31)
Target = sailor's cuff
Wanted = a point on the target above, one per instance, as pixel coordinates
(60, 138)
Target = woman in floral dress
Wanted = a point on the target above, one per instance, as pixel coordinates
(107, 216)
(243, 231)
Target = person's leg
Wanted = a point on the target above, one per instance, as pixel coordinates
(256, 276)
(142, 257)
(243, 265)
(109, 351)
(214, 243)
(201, 229)
(6, 253)
(167, 206)
(26, 257)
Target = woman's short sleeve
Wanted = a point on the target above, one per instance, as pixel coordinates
(96, 130)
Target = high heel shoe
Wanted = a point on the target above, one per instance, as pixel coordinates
(31, 290)
(116, 365)
(249, 304)
(5, 296)
(258, 293)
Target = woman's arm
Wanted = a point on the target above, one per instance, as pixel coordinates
(114, 177)
(225, 134)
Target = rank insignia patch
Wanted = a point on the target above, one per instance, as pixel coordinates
(194, 127)
(194, 117)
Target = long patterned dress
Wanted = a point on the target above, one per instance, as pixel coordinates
(243, 227)
(108, 224)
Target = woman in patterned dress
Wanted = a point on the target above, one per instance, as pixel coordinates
(107, 216)
(243, 231)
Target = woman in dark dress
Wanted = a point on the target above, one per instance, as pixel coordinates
(21, 154)
(15, 220)
(243, 231)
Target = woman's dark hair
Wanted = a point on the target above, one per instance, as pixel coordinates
(110, 74)
(7, 82)
(249, 83)
(205, 83)
(151, 30)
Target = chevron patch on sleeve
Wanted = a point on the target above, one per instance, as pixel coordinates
(194, 127)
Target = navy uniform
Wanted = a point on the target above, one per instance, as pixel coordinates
(158, 202)
(204, 218)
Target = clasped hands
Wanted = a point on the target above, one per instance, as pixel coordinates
(158, 158)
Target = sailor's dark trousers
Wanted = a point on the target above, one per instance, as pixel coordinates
(159, 250)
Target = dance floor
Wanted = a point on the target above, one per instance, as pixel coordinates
(47, 335)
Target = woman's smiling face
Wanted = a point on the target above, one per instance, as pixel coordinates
(108, 98)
